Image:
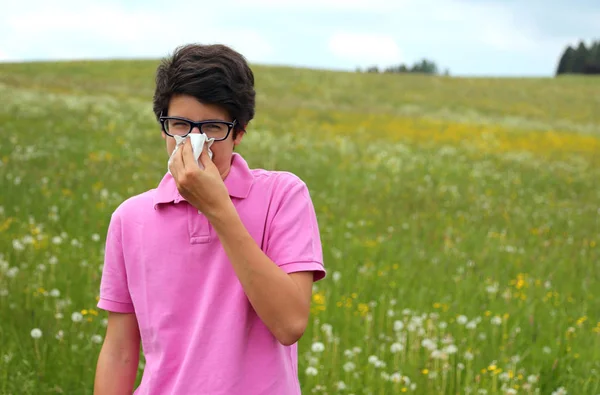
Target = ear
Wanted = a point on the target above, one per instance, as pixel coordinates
(238, 138)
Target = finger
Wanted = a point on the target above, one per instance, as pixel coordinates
(187, 154)
(205, 157)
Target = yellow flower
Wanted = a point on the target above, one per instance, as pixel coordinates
(363, 309)
(84, 312)
(425, 371)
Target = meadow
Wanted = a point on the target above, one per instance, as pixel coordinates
(460, 220)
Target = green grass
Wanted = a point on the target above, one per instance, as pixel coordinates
(460, 221)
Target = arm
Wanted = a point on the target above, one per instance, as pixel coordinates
(117, 366)
(281, 300)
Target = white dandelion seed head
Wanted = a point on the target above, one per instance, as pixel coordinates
(36, 333)
(317, 347)
(53, 260)
(396, 377)
(398, 325)
(336, 276)
(76, 317)
(55, 293)
(428, 344)
(349, 367)
(460, 366)
(560, 391)
(451, 349)
(468, 356)
(462, 319)
(340, 385)
(439, 354)
(532, 379)
(511, 391)
(95, 237)
(385, 376)
(60, 334)
(373, 359)
(396, 347)
(471, 325)
(496, 320)
(311, 371)
(97, 339)
(547, 350)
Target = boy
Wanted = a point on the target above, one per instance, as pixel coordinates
(212, 271)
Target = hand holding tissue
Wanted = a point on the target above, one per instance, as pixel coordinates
(198, 140)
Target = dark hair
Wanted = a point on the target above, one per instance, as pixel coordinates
(213, 74)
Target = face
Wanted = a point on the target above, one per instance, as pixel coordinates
(189, 107)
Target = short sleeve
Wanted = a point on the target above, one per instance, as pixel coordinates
(114, 292)
(293, 240)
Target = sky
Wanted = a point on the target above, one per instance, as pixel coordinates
(467, 37)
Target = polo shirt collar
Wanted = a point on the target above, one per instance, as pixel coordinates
(238, 182)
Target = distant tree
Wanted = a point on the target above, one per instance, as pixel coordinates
(592, 64)
(566, 61)
(580, 58)
(424, 66)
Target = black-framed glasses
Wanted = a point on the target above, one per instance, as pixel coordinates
(215, 129)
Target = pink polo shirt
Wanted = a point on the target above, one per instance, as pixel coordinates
(164, 261)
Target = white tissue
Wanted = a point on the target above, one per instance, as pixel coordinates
(198, 140)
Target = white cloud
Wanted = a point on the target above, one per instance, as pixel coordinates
(370, 6)
(365, 48)
(106, 30)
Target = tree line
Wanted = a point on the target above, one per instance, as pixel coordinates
(423, 66)
(580, 60)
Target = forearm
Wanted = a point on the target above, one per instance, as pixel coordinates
(116, 372)
(275, 296)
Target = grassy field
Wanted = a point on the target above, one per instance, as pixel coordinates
(460, 221)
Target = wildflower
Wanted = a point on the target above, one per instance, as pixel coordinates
(36, 333)
(425, 371)
(451, 349)
(96, 237)
(349, 367)
(340, 385)
(511, 391)
(77, 317)
(428, 344)
(396, 377)
(532, 379)
(497, 320)
(462, 319)
(311, 371)
(560, 391)
(53, 260)
(398, 326)
(396, 347)
(547, 350)
(17, 245)
(468, 356)
(97, 339)
(318, 347)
